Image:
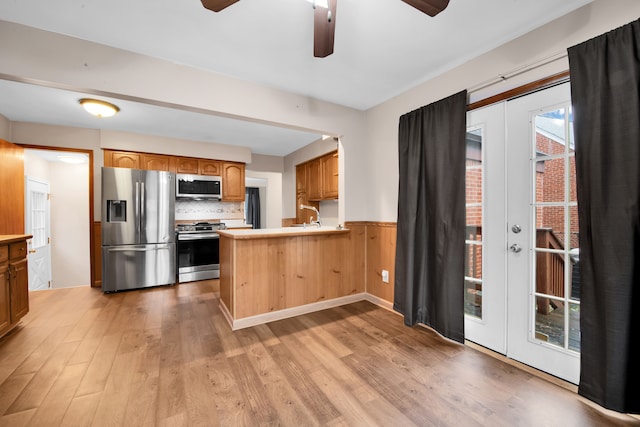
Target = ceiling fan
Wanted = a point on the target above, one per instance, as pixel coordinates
(324, 19)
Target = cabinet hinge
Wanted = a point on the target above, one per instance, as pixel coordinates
(49, 283)
(49, 240)
(48, 196)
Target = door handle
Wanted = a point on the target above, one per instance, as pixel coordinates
(516, 228)
(515, 248)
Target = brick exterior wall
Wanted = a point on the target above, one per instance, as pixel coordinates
(550, 188)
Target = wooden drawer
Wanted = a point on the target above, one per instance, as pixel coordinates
(18, 250)
(4, 253)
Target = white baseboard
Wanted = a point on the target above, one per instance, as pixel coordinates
(379, 302)
(259, 319)
(226, 313)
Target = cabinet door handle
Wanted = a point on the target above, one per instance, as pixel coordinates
(32, 251)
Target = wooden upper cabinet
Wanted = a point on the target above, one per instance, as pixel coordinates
(196, 166)
(329, 164)
(314, 190)
(187, 165)
(301, 179)
(157, 162)
(209, 167)
(233, 187)
(121, 159)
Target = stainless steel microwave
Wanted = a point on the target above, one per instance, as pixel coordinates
(198, 187)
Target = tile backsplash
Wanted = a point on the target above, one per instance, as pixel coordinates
(208, 209)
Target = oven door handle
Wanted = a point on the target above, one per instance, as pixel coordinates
(198, 236)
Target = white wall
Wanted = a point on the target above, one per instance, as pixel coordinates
(67, 137)
(272, 215)
(263, 163)
(5, 128)
(70, 228)
(555, 37)
(36, 167)
(63, 61)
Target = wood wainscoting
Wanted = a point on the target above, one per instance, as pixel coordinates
(379, 242)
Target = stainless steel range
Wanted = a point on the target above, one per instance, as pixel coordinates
(198, 247)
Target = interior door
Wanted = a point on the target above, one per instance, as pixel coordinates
(521, 277)
(38, 224)
(542, 223)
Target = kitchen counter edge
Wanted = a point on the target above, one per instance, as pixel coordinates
(12, 238)
(266, 233)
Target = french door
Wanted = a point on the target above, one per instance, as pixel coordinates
(521, 275)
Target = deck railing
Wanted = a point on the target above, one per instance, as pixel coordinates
(549, 269)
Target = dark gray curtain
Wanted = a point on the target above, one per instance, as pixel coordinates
(253, 206)
(605, 91)
(429, 268)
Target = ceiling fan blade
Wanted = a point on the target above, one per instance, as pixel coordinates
(324, 30)
(430, 7)
(217, 5)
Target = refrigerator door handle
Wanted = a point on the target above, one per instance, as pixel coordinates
(137, 207)
(142, 203)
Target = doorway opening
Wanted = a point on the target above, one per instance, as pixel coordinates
(67, 250)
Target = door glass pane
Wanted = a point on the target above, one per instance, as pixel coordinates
(474, 214)
(550, 132)
(550, 273)
(550, 183)
(550, 321)
(557, 280)
(473, 298)
(550, 227)
(574, 327)
(38, 219)
(573, 195)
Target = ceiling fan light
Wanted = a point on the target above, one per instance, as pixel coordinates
(320, 3)
(99, 108)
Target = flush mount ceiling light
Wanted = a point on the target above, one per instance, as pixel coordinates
(99, 108)
(76, 160)
(320, 3)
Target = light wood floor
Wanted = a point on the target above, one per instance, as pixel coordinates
(166, 356)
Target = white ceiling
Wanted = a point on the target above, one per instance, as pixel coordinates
(382, 48)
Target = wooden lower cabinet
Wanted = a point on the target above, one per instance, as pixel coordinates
(14, 281)
(261, 273)
(19, 284)
(5, 297)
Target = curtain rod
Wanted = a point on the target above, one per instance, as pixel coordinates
(518, 71)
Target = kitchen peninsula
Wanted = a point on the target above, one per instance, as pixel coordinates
(272, 274)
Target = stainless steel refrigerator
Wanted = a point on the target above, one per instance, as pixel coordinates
(138, 229)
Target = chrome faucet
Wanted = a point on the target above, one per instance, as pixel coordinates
(316, 211)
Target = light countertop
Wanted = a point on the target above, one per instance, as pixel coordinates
(263, 233)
